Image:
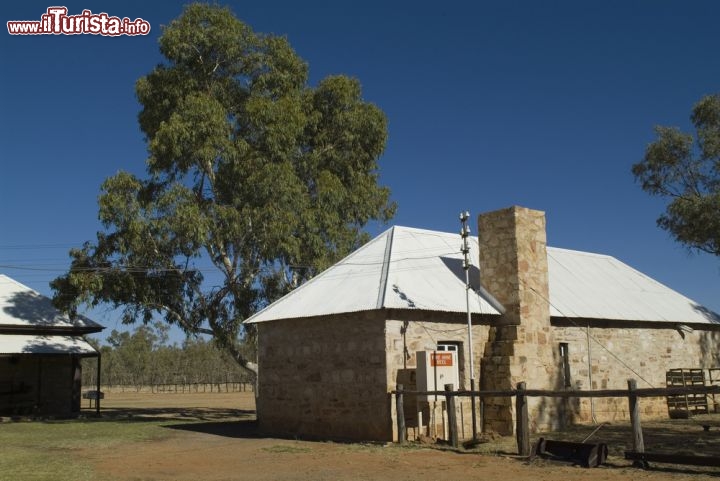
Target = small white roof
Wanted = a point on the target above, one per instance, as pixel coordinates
(21, 306)
(407, 268)
(25, 344)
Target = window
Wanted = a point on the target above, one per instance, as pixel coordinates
(565, 358)
(448, 346)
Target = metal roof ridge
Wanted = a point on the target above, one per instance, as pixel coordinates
(579, 252)
(382, 290)
(8, 278)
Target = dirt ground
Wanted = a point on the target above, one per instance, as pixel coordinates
(223, 445)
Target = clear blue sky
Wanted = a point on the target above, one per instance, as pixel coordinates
(540, 104)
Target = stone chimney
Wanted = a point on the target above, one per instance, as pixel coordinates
(514, 269)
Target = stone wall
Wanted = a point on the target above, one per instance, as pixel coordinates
(331, 377)
(324, 378)
(620, 351)
(421, 331)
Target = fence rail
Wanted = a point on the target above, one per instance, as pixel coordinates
(644, 392)
(632, 393)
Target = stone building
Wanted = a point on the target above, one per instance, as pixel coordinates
(40, 353)
(331, 351)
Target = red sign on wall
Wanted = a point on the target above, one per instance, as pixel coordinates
(441, 359)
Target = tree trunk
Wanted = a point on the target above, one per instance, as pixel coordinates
(249, 366)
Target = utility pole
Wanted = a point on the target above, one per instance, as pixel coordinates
(465, 249)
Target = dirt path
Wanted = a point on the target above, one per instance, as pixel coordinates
(199, 456)
(217, 450)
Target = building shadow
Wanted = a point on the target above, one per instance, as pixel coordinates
(456, 267)
(711, 316)
(179, 415)
(37, 311)
(242, 429)
(32, 308)
(557, 412)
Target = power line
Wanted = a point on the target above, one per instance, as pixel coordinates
(38, 246)
(591, 336)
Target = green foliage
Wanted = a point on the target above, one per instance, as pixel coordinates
(686, 170)
(249, 167)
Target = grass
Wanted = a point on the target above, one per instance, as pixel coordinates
(67, 450)
(51, 450)
(19, 463)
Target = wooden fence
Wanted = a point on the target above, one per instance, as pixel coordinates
(204, 387)
(522, 428)
(184, 387)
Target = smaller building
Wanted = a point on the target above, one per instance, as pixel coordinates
(40, 354)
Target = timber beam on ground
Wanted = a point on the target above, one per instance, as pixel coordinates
(585, 454)
(688, 459)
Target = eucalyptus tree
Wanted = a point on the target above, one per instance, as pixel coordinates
(250, 169)
(685, 169)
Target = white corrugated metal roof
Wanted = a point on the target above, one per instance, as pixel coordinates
(25, 344)
(24, 307)
(598, 286)
(402, 268)
(409, 268)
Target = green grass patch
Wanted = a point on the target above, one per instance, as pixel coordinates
(26, 464)
(49, 450)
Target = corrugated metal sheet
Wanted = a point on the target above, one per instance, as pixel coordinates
(597, 286)
(23, 306)
(24, 344)
(402, 268)
(422, 269)
(425, 272)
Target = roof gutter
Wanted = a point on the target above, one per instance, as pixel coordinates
(40, 330)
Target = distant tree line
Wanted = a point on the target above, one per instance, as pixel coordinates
(145, 358)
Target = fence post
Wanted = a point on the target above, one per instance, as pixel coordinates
(638, 442)
(522, 428)
(400, 412)
(452, 419)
